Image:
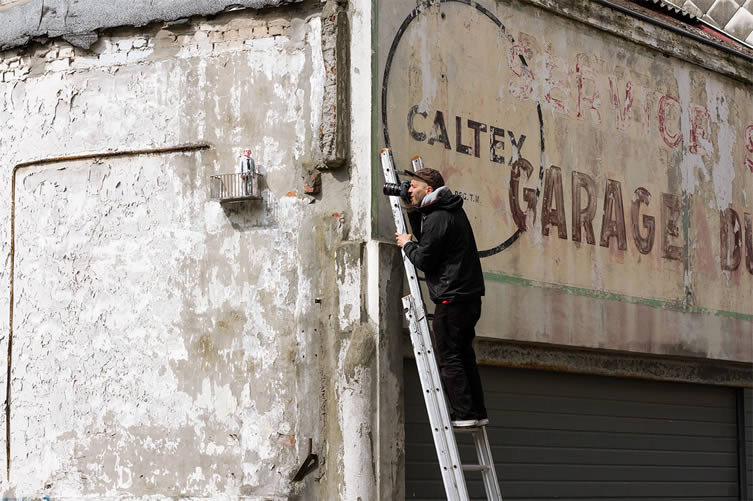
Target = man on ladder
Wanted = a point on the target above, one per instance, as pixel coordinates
(445, 250)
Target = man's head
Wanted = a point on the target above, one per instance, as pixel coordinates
(247, 153)
(423, 182)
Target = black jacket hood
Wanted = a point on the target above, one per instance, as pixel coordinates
(445, 200)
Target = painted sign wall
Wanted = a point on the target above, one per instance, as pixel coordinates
(599, 175)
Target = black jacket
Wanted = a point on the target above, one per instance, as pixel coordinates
(446, 250)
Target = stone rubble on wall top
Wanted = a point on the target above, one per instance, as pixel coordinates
(77, 21)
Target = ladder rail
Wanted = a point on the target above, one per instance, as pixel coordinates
(484, 455)
(439, 418)
(444, 440)
(443, 434)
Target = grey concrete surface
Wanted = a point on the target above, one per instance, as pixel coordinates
(77, 21)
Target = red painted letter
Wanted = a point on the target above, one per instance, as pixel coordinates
(622, 109)
(584, 77)
(556, 84)
(670, 139)
(699, 126)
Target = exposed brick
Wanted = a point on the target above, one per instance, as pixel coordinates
(135, 56)
(231, 45)
(139, 43)
(184, 40)
(113, 58)
(104, 45)
(215, 36)
(125, 45)
(207, 26)
(313, 183)
(51, 54)
(66, 52)
(59, 64)
(277, 27)
(165, 36)
(246, 33)
(204, 44)
(231, 35)
(81, 62)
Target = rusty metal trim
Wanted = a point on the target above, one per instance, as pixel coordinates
(46, 161)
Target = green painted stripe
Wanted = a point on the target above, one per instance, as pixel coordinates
(611, 296)
(375, 93)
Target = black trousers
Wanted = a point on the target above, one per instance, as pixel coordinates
(453, 326)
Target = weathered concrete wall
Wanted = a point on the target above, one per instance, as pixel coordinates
(79, 20)
(164, 345)
(609, 186)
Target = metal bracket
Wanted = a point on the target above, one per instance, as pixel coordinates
(309, 464)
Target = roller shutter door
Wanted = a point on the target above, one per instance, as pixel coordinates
(570, 436)
(748, 417)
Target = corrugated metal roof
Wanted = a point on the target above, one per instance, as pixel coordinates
(674, 9)
(730, 19)
(734, 17)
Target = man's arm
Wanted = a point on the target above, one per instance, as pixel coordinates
(426, 254)
(414, 218)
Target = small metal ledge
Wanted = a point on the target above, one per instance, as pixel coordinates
(227, 188)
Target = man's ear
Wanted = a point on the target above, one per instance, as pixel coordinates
(429, 189)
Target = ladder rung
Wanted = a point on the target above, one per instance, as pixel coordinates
(467, 429)
(475, 467)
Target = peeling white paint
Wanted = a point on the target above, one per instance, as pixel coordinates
(690, 163)
(723, 170)
(349, 292)
(161, 325)
(354, 416)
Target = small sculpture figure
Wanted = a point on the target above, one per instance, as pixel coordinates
(248, 172)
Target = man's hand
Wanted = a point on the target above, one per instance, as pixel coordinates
(402, 238)
(409, 205)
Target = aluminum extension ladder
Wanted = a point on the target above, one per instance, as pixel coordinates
(436, 405)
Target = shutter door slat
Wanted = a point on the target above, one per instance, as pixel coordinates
(570, 436)
(574, 440)
(748, 413)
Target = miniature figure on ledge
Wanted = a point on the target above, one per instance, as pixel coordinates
(248, 171)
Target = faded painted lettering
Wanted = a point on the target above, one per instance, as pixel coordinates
(671, 139)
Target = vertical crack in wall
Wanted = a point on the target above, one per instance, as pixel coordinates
(47, 161)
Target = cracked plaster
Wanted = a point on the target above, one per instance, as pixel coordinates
(79, 20)
(150, 324)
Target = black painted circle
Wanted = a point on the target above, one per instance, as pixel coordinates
(393, 48)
